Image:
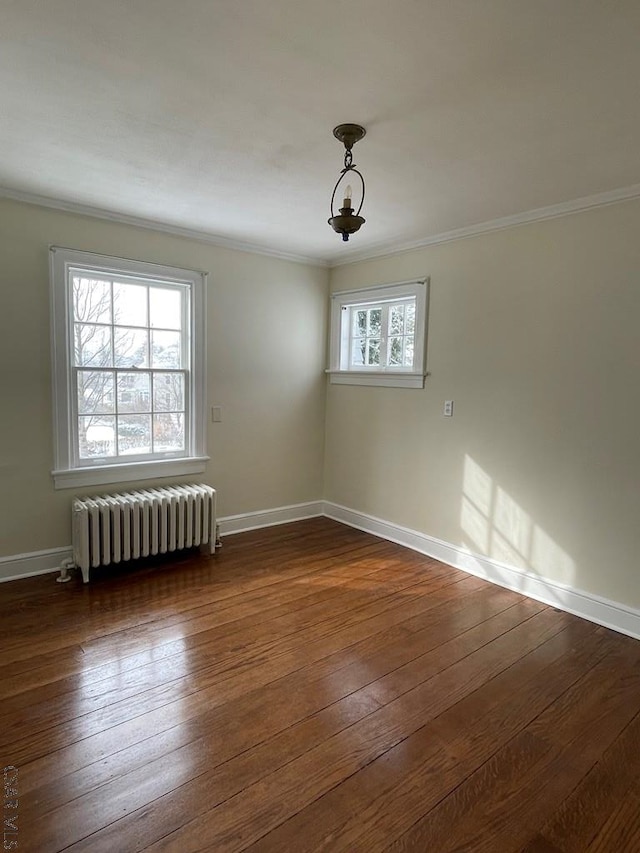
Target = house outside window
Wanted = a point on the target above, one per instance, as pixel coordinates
(378, 335)
(129, 359)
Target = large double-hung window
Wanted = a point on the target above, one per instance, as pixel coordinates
(128, 347)
(378, 335)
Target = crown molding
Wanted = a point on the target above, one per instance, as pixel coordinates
(551, 212)
(381, 251)
(165, 228)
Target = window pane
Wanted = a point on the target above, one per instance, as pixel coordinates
(166, 349)
(134, 434)
(129, 304)
(134, 392)
(92, 345)
(168, 432)
(375, 320)
(96, 436)
(411, 318)
(360, 323)
(131, 347)
(396, 320)
(91, 300)
(408, 353)
(168, 392)
(95, 392)
(395, 350)
(166, 307)
(373, 352)
(358, 352)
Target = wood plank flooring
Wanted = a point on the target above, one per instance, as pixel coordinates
(313, 688)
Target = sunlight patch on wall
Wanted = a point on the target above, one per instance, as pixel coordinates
(512, 523)
(475, 524)
(498, 527)
(477, 486)
(545, 552)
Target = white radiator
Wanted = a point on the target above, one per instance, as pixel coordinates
(112, 528)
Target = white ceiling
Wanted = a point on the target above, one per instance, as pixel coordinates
(217, 115)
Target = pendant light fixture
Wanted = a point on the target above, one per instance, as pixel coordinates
(347, 222)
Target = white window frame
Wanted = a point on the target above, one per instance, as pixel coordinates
(69, 471)
(342, 304)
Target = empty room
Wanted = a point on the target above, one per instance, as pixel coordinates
(319, 455)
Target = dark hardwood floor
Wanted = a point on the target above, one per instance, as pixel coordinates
(313, 688)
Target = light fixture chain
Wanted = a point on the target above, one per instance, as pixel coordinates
(348, 159)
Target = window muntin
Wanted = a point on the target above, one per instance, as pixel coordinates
(129, 384)
(378, 335)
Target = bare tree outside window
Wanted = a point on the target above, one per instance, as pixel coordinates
(128, 369)
(130, 380)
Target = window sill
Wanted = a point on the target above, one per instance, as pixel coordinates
(131, 472)
(383, 378)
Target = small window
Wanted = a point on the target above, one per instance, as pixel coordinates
(128, 347)
(378, 335)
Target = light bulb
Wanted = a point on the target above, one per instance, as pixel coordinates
(347, 196)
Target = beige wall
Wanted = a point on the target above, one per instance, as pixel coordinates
(266, 354)
(534, 333)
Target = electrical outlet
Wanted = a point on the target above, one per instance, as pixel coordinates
(448, 409)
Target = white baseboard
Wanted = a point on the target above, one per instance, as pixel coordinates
(611, 614)
(35, 563)
(43, 562)
(231, 524)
